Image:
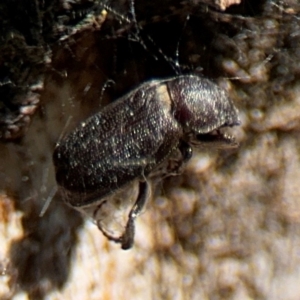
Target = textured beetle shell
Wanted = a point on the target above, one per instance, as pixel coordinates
(124, 141)
(133, 136)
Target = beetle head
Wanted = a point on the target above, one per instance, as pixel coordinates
(203, 110)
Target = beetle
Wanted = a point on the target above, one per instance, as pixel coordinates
(137, 136)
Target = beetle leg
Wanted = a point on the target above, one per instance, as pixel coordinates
(102, 229)
(175, 165)
(128, 236)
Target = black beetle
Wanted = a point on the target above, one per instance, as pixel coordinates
(136, 137)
